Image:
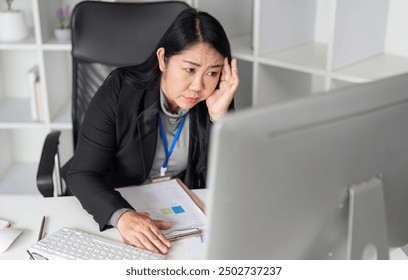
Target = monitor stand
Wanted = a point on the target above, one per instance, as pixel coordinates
(405, 249)
(367, 232)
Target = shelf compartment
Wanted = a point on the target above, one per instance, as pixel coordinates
(238, 31)
(29, 42)
(295, 34)
(21, 151)
(370, 40)
(235, 9)
(16, 112)
(284, 24)
(62, 118)
(15, 96)
(377, 67)
(309, 58)
(14, 66)
(241, 47)
(283, 85)
(243, 96)
(360, 31)
(58, 83)
(47, 19)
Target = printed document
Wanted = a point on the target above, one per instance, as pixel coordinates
(167, 201)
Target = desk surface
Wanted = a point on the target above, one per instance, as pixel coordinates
(26, 212)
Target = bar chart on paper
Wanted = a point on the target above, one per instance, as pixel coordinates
(167, 201)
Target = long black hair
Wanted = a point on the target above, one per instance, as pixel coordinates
(188, 29)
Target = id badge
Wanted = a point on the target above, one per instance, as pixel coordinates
(160, 177)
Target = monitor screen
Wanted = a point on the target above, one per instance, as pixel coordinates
(324, 177)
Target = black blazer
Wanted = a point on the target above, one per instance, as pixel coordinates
(116, 146)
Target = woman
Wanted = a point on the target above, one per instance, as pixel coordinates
(185, 85)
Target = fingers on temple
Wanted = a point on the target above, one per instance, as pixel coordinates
(234, 70)
(234, 66)
(227, 70)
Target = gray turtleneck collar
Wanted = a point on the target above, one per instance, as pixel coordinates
(178, 159)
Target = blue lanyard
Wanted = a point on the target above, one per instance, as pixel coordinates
(173, 144)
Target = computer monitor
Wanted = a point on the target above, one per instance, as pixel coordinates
(324, 177)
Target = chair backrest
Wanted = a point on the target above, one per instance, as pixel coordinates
(108, 35)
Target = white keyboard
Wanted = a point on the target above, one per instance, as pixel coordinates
(73, 244)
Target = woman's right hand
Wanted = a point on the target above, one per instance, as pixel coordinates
(137, 229)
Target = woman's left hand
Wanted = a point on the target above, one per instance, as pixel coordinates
(219, 101)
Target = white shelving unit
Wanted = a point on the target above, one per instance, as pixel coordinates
(296, 48)
(22, 138)
(286, 49)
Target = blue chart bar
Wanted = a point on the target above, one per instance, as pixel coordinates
(178, 209)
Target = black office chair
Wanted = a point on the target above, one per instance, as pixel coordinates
(104, 36)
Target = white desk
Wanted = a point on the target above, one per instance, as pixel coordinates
(26, 212)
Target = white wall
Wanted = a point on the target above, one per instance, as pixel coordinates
(397, 32)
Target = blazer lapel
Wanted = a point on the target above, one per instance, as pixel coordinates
(147, 126)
